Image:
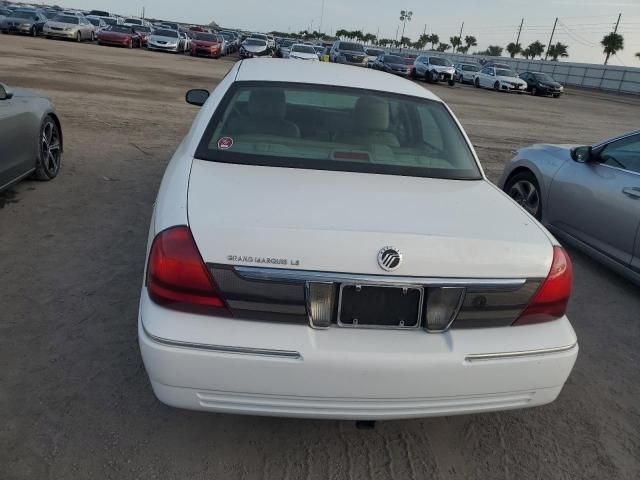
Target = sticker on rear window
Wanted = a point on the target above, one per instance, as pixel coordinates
(225, 143)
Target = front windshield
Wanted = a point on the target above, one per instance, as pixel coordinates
(303, 49)
(67, 19)
(351, 47)
(470, 68)
(505, 73)
(110, 21)
(260, 37)
(206, 37)
(543, 77)
(120, 29)
(25, 15)
(255, 42)
(94, 21)
(343, 129)
(441, 62)
(166, 33)
(393, 59)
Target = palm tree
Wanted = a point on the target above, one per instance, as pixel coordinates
(341, 33)
(463, 49)
(433, 39)
(557, 50)
(422, 42)
(514, 48)
(536, 49)
(638, 55)
(368, 38)
(443, 47)
(612, 43)
(455, 42)
(526, 53)
(470, 41)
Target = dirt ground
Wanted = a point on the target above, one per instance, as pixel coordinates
(75, 401)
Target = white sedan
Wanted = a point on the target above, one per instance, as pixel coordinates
(325, 244)
(500, 79)
(300, 51)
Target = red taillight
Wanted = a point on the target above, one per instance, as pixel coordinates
(177, 276)
(551, 299)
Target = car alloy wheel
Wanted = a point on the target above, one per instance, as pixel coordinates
(534, 91)
(433, 77)
(496, 86)
(523, 188)
(50, 150)
(78, 37)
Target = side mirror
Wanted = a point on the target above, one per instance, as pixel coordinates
(581, 154)
(197, 97)
(5, 92)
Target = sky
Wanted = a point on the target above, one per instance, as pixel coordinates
(581, 25)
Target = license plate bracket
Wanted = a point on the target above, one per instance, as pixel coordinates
(380, 306)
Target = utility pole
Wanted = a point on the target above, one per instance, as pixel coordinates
(519, 32)
(424, 32)
(460, 37)
(397, 31)
(551, 39)
(321, 18)
(143, 13)
(615, 30)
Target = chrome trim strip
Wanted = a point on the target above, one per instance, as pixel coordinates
(275, 274)
(262, 352)
(525, 353)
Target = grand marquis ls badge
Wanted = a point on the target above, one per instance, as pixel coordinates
(389, 258)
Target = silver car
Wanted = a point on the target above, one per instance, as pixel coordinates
(71, 27)
(588, 196)
(349, 53)
(30, 137)
(166, 40)
(434, 69)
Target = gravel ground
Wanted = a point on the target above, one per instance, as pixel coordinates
(74, 398)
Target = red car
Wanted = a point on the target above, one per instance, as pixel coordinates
(207, 45)
(144, 33)
(121, 36)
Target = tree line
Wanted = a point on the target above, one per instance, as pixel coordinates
(611, 43)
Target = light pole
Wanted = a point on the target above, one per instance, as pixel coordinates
(405, 16)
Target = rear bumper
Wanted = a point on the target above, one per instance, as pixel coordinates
(236, 366)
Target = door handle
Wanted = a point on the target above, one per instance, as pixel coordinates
(632, 192)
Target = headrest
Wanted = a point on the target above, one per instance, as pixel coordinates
(267, 103)
(372, 113)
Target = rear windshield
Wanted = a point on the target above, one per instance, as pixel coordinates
(374, 52)
(255, 41)
(94, 21)
(66, 19)
(142, 28)
(351, 47)
(470, 68)
(336, 128)
(110, 21)
(505, 73)
(133, 21)
(99, 13)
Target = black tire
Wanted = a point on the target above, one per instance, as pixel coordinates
(49, 150)
(556, 95)
(413, 74)
(433, 77)
(93, 37)
(78, 37)
(476, 83)
(496, 86)
(34, 31)
(534, 91)
(451, 82)
(519, 187)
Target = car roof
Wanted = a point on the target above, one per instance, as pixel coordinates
(323, 73)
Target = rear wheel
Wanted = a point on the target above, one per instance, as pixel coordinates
(78, 37)
(50, 151)
(534, 91)
(496, 86)
(524, 189)
(476, 82)
(34, 31)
